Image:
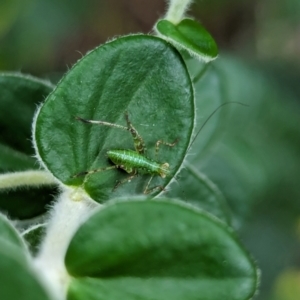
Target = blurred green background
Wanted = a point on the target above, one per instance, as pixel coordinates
(46, 36)
(260, 44)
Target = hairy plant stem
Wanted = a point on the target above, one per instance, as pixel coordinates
(71, 209)
(176, 10)
(26, 178)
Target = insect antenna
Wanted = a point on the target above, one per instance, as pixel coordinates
(209, 117)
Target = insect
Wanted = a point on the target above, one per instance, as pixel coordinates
(133, 162)
(136, 162)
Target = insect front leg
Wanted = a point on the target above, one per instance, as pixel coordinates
(139, 144)
(159, 142)
(127, 179)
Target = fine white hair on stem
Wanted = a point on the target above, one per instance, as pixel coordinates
(176, 10)
(26, 178)
(72, 208)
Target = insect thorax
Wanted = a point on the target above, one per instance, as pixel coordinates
(131, 161)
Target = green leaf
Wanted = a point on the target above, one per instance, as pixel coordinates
(142, 75)
(11, 159)
(9, 234)
(17, 279)
(191, 36)
(19, 96)
(157, 250)
(209, 148)
(253, 142)
(192, 185)
(195, 188)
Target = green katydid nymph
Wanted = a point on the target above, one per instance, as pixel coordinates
(136, 162)
(133, 162)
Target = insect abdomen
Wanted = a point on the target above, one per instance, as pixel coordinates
(131, 160)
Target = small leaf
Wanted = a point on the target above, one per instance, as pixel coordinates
(17, 279)
(191, 36)
(142, 75)
(157, 250)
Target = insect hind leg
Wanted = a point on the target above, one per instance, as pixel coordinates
(138, 141)
(101, 123)
(127, 179)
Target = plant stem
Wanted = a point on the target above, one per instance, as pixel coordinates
(26, 178)
(72, 208)
(176, 10)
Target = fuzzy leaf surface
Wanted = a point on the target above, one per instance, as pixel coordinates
(128, 250)
(140, 74)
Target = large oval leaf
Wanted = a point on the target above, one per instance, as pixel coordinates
(142, 75)
(157, 250)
